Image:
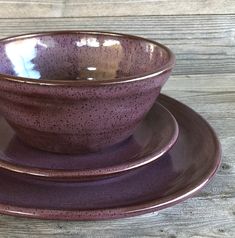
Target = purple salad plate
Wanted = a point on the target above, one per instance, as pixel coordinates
(188, 166)
(153, 138)
(79, 91)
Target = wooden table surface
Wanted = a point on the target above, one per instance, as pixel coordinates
(202, 35)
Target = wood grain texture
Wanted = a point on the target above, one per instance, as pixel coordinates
(203, 44)
(183, 221)
(211, 213)
(91, 8)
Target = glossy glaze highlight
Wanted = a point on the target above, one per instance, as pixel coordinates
(55, 112)
(80, 56)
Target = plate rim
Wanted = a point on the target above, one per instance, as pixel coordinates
(129, 210)
(91, 174)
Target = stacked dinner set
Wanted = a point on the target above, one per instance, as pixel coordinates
(85, 133)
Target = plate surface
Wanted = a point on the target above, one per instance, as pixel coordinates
(155, 136)
(188, 166)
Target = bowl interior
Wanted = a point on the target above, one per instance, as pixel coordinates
(80, 56)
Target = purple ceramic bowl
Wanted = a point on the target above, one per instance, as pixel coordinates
(79, 91)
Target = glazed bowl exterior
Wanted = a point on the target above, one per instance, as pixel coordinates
(78, 91)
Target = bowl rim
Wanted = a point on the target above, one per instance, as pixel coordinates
(167, 66)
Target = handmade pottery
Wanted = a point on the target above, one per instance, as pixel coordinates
(153, 138)
(179, 174)
(77, 91)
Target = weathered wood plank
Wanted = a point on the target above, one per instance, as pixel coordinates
(199, 83)
(203, 44)
(90, 8)
(149, 7)
(184, 220)
(211, 213)
(30, 8)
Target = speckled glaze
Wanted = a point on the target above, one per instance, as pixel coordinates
(71, 92)
(153, 138)
(188, 166)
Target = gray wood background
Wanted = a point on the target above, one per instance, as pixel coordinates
(202, 35)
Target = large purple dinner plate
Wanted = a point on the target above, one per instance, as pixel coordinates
(188, 166)
(153, 138)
